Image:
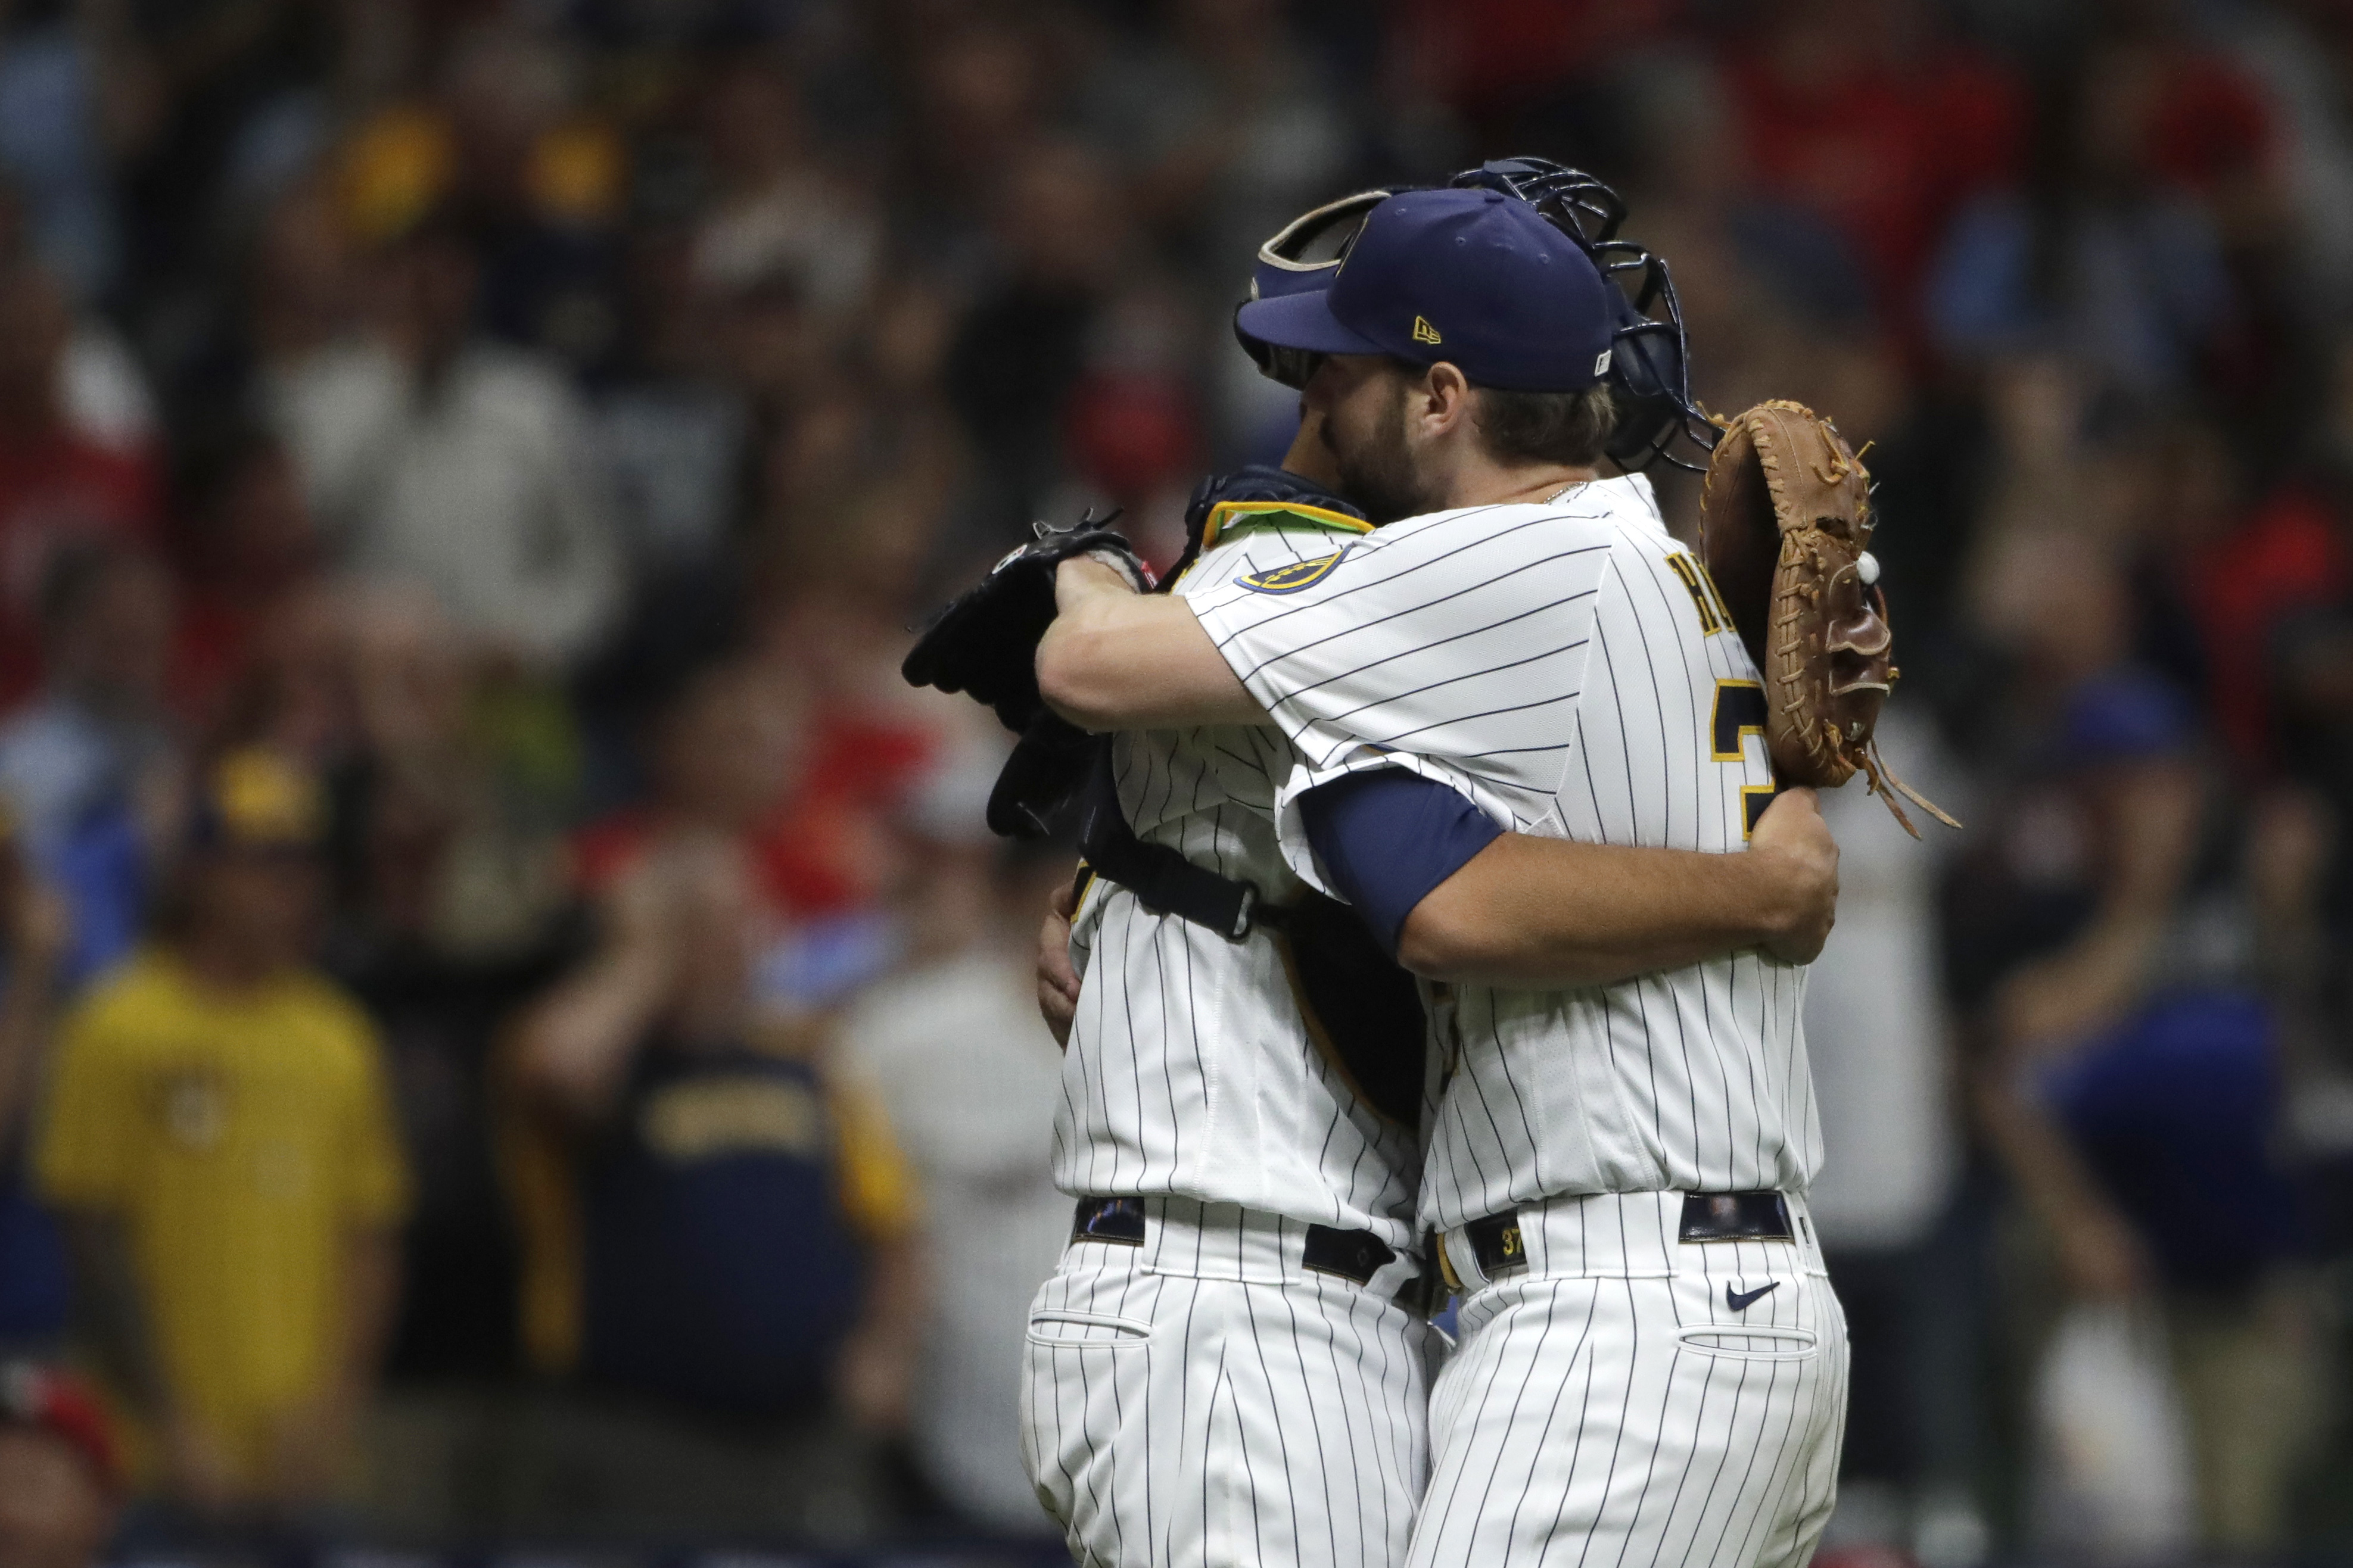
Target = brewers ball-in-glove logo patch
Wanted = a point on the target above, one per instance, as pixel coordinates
(1291, 576)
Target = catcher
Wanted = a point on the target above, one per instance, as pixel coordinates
(1437, 882)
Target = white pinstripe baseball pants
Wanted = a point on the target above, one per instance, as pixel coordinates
(1613, 1407)
(1204, 1401)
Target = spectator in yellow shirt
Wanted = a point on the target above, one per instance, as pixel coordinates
(219, 1137)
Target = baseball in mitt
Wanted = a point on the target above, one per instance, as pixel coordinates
(1786, 533)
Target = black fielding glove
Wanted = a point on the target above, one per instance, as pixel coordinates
(985, 641)
(1038, 789)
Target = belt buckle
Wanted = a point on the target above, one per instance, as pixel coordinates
(1735, 1216)
(1116, 1221)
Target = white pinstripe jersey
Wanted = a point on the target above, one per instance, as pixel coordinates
(1190, 1071)
(1569, 668)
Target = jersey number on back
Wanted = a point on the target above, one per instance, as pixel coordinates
(1738, 713)
(1739, 710)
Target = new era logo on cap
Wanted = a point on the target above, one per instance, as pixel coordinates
(1423, 332)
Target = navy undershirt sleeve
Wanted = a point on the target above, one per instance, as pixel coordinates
(1387, 837)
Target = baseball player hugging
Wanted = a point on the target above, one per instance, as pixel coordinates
(1411, 907)
(1651, 1365)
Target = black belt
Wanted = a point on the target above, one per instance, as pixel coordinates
(1353, 1254)
(1495, 1240)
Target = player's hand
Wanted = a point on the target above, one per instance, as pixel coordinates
(1057, 983)
(1801, 860)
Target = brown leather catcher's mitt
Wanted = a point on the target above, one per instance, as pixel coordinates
(1786, 533)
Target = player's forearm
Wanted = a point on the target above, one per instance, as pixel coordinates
(1116, 659)
(1552, 914)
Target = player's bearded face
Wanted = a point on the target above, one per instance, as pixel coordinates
(1365, 429)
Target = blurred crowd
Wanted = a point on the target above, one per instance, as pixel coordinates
(512, 1027)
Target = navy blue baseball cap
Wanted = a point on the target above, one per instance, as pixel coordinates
(1473, 277)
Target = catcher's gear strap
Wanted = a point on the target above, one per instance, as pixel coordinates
(1160, 877)
(1363, 1011)
(1163, 880)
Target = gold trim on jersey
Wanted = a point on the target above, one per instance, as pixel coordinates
(1323, 518)
(1086, 881)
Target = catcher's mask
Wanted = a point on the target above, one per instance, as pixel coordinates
(1304, 254)
(1649, 372)
(1650, 364)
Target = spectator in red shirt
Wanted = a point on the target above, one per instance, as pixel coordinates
(2287, 557)
(738, 752)
(1884, 141)
(55, 484)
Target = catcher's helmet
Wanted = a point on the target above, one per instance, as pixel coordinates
(1650, 364)
(1649, 372)
(1304, 255)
